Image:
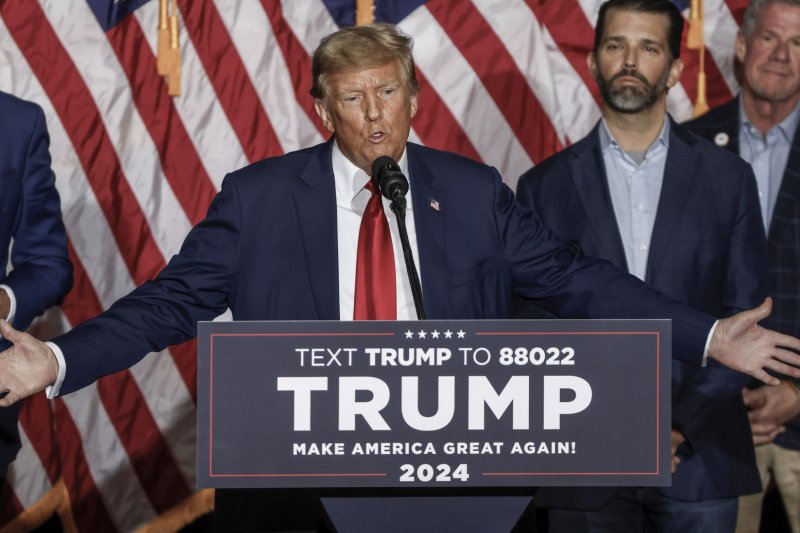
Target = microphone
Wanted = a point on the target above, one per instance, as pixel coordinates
(390, 180)
(394, 186)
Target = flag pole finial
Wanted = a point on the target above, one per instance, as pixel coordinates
(365, 12)
(174, 74)
(162, 48)
(168, 49)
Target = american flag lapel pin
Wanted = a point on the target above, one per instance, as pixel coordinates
(435, 204)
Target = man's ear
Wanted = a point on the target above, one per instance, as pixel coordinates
(675, 71)
(741, 46)
(324, 114)
(414, 104)
(592, 64)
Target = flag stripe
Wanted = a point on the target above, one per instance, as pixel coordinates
(268, 69)
(202, 112)
(89, 510)
(295, 55)
(737, 9)
(36, 419)
(719, 30)
(557, 85)
(179, 160)
(436, 125)
(573, 34)
(230, 81)
(490, 60)
(133, 146)
(450, 74)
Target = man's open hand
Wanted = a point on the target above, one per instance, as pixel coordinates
(26, 368)
(741, 344)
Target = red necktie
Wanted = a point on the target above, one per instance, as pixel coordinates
(376, 293)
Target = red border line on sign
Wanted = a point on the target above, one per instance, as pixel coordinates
(486, 333)
(518, 474)
(301, 475)
(566, 333)
(302, 335)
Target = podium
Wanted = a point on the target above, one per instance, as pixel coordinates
(448, 409)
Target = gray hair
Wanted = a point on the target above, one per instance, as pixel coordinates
(749, 23)
(359, 48)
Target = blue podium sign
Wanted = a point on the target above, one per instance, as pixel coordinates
(434, 403)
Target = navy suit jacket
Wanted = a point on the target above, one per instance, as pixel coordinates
(30, 214)
(268, 250)
(708, 250)
(783, 237)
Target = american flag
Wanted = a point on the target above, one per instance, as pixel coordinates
(503, 81)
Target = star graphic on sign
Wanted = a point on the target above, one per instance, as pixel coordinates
(409, 334)
(448, 334)
(435, 334)
(461, 334)
(422, 334)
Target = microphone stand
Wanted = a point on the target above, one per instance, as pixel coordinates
(399, 209)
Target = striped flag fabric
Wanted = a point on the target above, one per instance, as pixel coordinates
(503, 81)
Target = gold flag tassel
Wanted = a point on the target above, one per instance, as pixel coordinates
(162, 49)
(174, 63)
(365, 12)
(696, 41)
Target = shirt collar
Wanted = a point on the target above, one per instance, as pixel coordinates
(607, 140)
(787, 127)
(350, 179)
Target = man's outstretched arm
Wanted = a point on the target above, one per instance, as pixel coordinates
(738, 342)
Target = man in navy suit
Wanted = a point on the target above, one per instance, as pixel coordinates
(30, 216)
(682, 215)
(280, 243)
(761, 125)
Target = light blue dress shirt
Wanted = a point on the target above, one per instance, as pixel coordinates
(635, 189)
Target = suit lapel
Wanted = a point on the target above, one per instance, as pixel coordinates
(587, 170)
(682, 161)
(315, 201)
(728, 128)
(430, 228)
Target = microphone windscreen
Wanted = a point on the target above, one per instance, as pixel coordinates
(382, 164)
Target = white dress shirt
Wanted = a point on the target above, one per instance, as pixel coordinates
(351, 201)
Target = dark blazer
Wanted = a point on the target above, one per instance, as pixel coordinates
(783, 237)
(708, 250)
(268, 250)
(30, 214)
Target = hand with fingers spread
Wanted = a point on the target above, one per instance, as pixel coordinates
(741, 344)
(769, 409)
(26, 368)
